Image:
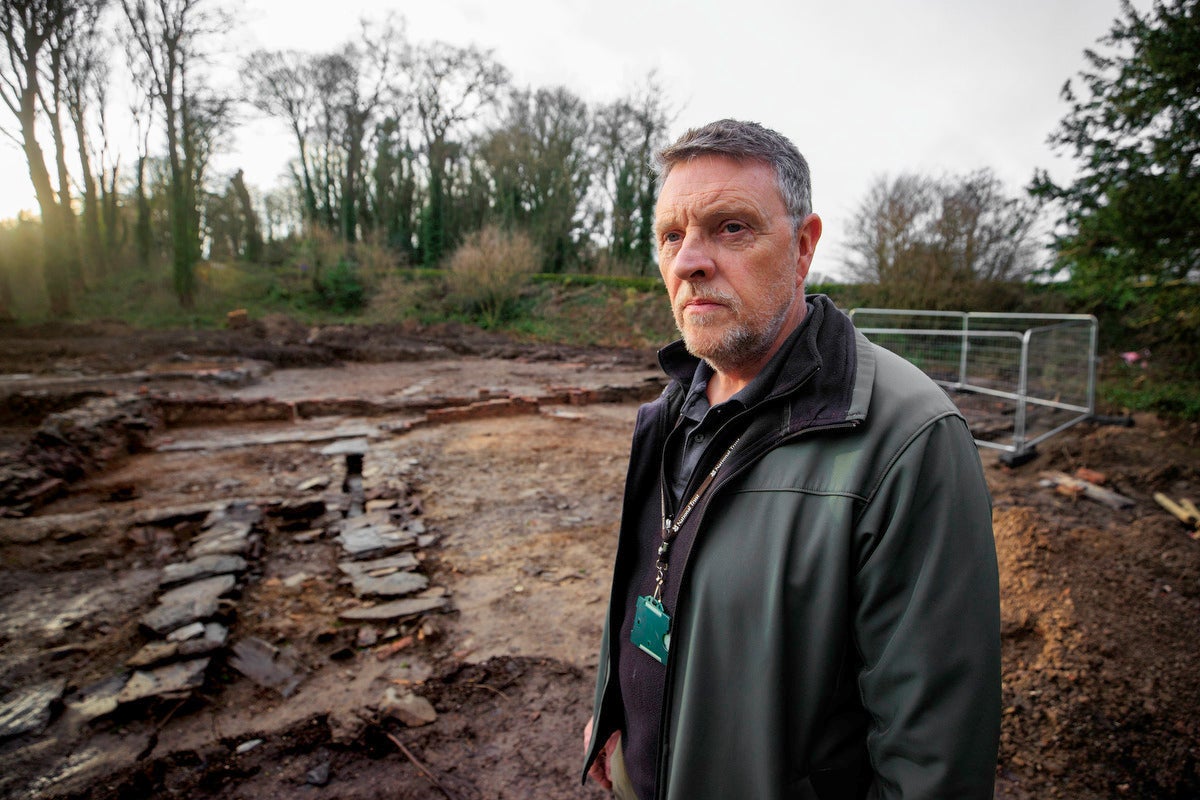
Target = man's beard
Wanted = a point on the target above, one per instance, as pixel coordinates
(744, 340)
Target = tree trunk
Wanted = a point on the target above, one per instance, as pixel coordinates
(94, 256)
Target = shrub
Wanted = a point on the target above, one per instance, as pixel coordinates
(487, 272)
(341, 289)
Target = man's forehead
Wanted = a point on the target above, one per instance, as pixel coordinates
(719, 184)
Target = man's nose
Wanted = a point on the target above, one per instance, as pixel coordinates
(693, 260)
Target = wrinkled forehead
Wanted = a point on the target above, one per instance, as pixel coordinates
(715, 184)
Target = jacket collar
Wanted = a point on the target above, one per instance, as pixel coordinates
(826, 372)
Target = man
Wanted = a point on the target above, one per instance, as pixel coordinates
(805, 599)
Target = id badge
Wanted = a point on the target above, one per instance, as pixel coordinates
(651, 629)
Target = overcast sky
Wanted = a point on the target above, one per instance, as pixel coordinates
(863, 88)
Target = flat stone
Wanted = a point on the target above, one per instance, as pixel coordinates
(206, 587)
(169, 516)
(374, 541)
(379, 567)
(319, 482)
(394, 610)
(186, 632)
(410, 709)
(214, 638)
(266, 665)
(355, 446)
(187, 604)
(96, 700)
(171, 682)
(235, 511)
(28, 530)
(230, 537)
(29, 710)
(153, 653)
(397, 584)
(202, 567)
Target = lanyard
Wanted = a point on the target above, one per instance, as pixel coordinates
(670, 529)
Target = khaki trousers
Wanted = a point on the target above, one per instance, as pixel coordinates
(622, 787)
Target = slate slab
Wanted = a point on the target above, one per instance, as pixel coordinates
(29, 710)
(379, 567)
(375, 541)
(230, 537)
(397, 584)
(202, 567)
(171, 682)
(395, 610)
(266, 665)
(188, 603)
(212, 638)
(96, 700)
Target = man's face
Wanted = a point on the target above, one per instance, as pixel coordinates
(733, 265)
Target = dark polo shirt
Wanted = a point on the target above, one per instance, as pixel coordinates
(687, 456)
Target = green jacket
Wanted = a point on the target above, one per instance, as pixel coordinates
(837, 629)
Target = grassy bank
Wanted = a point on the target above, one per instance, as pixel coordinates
(596, 310)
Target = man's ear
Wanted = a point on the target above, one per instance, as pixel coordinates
(808, 233)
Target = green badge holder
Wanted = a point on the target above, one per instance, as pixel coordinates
(651, 629)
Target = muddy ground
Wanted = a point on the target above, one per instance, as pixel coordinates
(118, 443)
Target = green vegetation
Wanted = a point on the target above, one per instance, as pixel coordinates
(427, 188)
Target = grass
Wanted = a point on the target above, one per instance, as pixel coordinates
(1177, 397)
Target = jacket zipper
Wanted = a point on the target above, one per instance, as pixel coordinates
(749, 459)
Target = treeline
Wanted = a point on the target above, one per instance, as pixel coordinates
(417, 149)
(408, 145)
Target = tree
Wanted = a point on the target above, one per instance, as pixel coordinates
(85, 77)
(166, 41)
(1133, 211)
(541, 168)
(34, 33)
(628, 133)
(451, 87)
(920, 237)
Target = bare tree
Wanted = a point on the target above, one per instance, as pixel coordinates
(930, 234)
(282, 84)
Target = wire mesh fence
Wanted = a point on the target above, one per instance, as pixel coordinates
(1018, 378)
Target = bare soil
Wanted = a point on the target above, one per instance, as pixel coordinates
(1101, 607)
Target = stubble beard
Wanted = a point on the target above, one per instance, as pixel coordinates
(726, 345)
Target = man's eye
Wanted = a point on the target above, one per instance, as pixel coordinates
(671, 237)
(733, 227)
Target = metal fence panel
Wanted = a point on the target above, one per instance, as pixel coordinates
(1018, 378)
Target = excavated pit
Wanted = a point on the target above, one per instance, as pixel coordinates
(409, 560)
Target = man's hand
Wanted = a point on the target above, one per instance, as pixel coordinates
(601, 769)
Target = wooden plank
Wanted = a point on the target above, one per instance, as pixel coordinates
(1091, 490)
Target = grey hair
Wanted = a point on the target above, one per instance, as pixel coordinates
(746, 141)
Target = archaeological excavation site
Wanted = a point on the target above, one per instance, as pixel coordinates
(372, 562)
